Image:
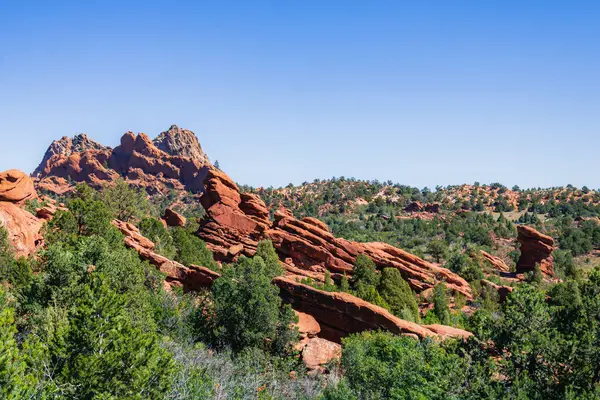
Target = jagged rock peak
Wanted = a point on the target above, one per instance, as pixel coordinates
(181, 142)
(67, 146)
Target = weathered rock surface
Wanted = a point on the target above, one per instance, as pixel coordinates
(495, 262)
(318, 352)
(340, 314)
(308, 327)
(139, 160)
(173, 218)
(235, 222)
(65, 147)
(181, 142)
(16, 187)
(536, 248)
(446, 332)
(415, 206)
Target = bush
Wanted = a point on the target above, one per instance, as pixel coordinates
(192, 250)
(154, 230)
(398, 295)
(248, 311)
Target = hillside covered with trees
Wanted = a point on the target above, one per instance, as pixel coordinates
(127, 282)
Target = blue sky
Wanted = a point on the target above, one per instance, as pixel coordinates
(419, 92)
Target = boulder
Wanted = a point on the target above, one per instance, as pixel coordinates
(307, 325)
(16, 187)
(318, 352)
(536, 249)
(173, 218)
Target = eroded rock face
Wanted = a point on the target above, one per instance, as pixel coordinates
(536, 248)
(16, 187)
(235, 222)
(138, 159)
(67, 146)
(181, 142)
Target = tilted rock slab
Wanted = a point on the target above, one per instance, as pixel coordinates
(536, 249)
(340, 314)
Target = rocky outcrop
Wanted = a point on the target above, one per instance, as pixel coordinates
(340, 314)
(193, 277)
(173, 218)
(66, 147)
(416, 207)
(140, 161)
(313, 249)
(495, 262)
(16, 187)
(22, 227)
(181, 142)
(536, 249)
(236, 222)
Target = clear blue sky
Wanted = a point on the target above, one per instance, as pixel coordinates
(419, 92)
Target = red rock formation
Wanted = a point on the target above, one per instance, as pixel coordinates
(53, 184)
(23, 228)
(495, 262)
(236, 222)
(340, 314)
(65, 147)
(173, 218)
(536, 248)
(140, 161)
(16, 187)
(446, 332)
(432, 208)
(193, 277)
